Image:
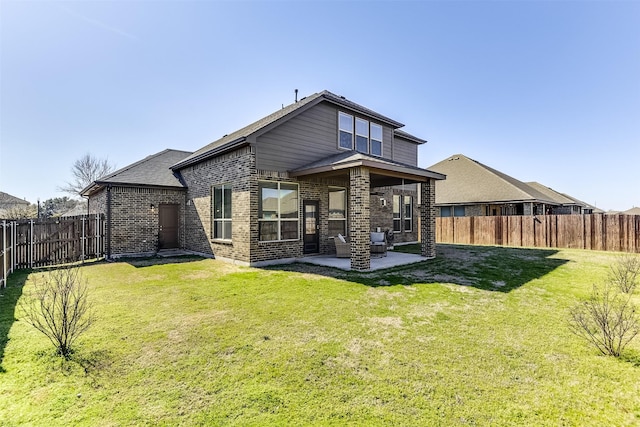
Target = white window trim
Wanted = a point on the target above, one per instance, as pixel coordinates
(404, 211)
(380, 140)
(346, 209)
(278, 220)
(353, 131)
(355, 134)
(223, 220)
(393, 213)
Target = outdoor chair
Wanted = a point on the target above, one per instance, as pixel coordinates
(343, 247)
(379, 243)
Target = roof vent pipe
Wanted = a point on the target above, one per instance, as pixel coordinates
(296, 91)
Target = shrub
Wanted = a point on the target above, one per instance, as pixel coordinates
(624, 273)
(57, 306)
(608, 319)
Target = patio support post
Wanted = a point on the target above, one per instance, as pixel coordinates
(359, 218)
(428, 219)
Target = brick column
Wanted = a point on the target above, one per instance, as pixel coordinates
(359, 218)
(428, 219)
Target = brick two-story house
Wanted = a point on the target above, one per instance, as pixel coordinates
(276, 190)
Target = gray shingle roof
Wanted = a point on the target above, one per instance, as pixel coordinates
(235, 139)
(554, 195)
(469, 181)
(9, 200)
(153, 170)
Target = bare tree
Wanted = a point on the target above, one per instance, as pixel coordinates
(608, 319)
(20, 212)
(625, 273)
(85, 170)
(58, 307)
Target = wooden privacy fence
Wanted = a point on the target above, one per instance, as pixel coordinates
(597, 232)
(37, 243)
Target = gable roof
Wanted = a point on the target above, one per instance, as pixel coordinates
(239, 138)
(559, 198)
(632, 211)
(153, 171)
(7, 199)
(469, 181)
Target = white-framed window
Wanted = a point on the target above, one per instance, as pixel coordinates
(345, 130)
(397, 221)
(337, 211)
(376, 139)
(408, 213)
(221, 212)
(359, 134)
(362, 135)
(278, 211)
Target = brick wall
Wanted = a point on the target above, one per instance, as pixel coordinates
(238, 169)
(134, 224)
(382, 216)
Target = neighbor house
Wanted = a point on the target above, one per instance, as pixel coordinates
(276, 190)
(9, 204)
(475, 189)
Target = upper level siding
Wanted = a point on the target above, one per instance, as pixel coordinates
(313, 135)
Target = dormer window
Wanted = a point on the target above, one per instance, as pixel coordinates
(359, 134)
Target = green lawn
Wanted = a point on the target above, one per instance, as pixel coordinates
(477, 336)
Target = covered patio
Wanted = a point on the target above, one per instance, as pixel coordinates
(364, 173)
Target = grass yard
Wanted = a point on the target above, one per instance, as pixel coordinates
(477, 336)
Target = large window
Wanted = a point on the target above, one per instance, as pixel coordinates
(408, 213)
(359, 134)
(397, 221)
(221, 206)
(337, 211)
(278, 212)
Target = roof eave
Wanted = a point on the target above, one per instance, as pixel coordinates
(229, 146)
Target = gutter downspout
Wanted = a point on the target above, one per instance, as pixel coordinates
(108, 222)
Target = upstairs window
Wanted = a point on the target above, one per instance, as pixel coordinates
(221, 206)
(359, 134)
(376, 139)
(362, 136)
(346, 131)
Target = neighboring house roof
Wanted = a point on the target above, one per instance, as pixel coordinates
(349, 159)
(469, 181)
(153, 171)
(7, 200)
(632, 211)
(79, 209)
(559, 198)
(239, 138)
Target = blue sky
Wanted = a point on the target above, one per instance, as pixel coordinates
(545, 91)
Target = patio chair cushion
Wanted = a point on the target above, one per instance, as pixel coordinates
(341, 238)
(378, 239)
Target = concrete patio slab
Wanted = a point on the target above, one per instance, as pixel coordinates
(393, 259)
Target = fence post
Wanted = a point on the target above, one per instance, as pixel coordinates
(4, 254)
(31, 244)
(82, 243)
